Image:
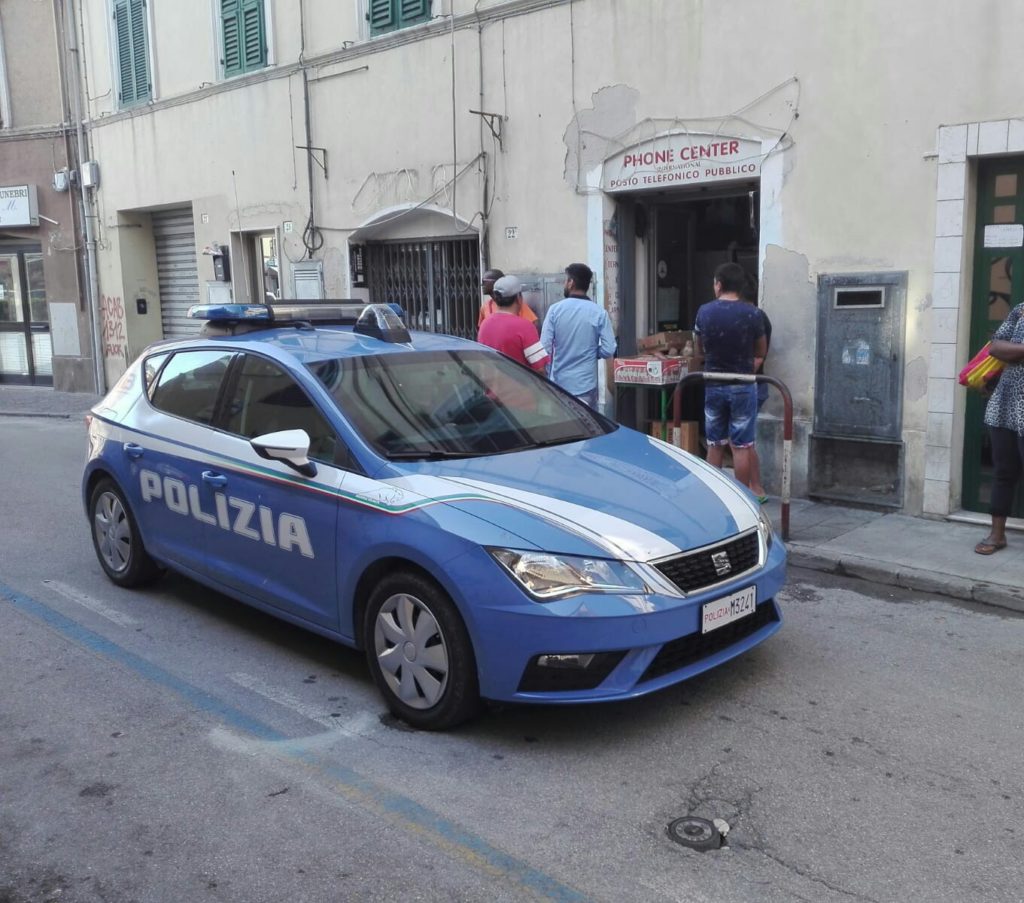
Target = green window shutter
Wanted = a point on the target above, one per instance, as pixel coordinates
(231, 25)
(140, 50)
(132, 50)
(381, 16)
(123, 39)
(412, 11)
(254, 36)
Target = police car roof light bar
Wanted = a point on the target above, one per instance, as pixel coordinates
(230, 313)
(381, 322)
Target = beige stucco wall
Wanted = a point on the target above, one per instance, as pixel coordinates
(853, 94)
(30, 57)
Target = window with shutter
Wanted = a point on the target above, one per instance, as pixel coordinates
(389, 15)
(132, 48)
(243, 28)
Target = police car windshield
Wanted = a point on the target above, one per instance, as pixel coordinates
(453, 404)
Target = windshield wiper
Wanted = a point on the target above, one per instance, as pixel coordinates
(428, 455)
(545, 443)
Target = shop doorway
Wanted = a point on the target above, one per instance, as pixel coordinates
(998, 286)
(26, 355)
(691, 237)
(685, 238)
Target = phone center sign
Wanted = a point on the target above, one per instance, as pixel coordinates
(682, 159)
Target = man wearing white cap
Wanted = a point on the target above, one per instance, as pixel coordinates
(506, 331)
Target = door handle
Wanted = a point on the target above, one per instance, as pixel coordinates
(212, 478)
(133, 451)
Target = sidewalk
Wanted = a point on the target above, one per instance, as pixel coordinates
(40, 401)
(933, 556)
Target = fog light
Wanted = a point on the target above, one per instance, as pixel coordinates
(573, 660)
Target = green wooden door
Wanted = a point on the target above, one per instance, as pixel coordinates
(998, 286)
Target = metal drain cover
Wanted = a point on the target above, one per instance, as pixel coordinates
(695, 833)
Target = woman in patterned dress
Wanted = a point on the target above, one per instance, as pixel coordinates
(1004, 417)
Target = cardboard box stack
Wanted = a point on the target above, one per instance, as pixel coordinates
(686, 436)
(662, 359)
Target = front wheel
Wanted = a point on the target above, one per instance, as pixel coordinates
(420, 654)
(116, 538)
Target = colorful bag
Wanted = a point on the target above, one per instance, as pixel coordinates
(982, 371)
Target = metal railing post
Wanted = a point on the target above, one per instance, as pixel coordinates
(787, 423)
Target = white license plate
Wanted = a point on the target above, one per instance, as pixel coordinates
(731, 608)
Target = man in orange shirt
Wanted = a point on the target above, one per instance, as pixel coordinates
(489, 307)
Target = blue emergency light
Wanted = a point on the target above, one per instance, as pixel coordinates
(377, 320)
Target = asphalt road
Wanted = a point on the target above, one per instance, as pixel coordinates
(172, 745)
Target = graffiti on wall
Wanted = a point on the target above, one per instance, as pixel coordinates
(115, 338)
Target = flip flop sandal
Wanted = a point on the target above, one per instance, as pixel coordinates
(989, 548)
(762, 499)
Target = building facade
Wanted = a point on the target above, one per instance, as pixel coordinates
(864, 162)
(45, 318)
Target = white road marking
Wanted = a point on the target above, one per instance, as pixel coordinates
(94, 605)
(359, 725)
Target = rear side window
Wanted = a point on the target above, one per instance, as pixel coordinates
(150, 369)
(189, 384)
(266, 400)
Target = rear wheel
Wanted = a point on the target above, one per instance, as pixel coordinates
(419, 653)
(116, 538)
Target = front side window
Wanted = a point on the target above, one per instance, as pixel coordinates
(267, 400)
(132, 49)
(453, 404)
(244, 36)
(390, 15)
(189, 384)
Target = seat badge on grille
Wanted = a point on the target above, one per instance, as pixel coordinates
(721, 562)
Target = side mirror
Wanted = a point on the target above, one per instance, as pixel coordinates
(289, 446)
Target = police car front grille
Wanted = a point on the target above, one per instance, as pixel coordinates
(692, 648)
(695, 570)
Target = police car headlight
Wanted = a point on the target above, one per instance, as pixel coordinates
(548, 576)
(764, 527)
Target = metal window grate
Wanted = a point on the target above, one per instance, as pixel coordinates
(695, 570)
(437, 282)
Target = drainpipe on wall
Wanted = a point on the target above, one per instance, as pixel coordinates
(92, 278)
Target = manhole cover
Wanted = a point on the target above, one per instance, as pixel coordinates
(695, 833)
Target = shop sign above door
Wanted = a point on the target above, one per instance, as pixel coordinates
(679, 159)
(18, 205)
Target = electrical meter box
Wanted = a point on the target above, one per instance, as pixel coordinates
(857, 448)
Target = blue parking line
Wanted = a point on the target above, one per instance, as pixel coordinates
(418, 817)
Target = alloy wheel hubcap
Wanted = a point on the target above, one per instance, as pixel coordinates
(113, 537)
(411, 651)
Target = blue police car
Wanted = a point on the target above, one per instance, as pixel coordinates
(478, 531)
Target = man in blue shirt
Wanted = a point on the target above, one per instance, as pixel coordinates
(577, 333)
(728, 335)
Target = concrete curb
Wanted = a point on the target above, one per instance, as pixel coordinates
(888, 574)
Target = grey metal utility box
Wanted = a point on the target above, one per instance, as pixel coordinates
(856, 447)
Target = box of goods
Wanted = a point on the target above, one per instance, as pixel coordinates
(686, 436)
(670, 343)
(648, 371)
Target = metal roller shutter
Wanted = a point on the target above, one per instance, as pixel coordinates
(177, 271)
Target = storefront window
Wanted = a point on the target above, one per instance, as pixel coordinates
(10, 290)
(36, 288)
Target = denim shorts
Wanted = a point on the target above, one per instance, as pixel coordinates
(730, 415)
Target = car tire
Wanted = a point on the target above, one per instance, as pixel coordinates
(116, 538)
(420, 653)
